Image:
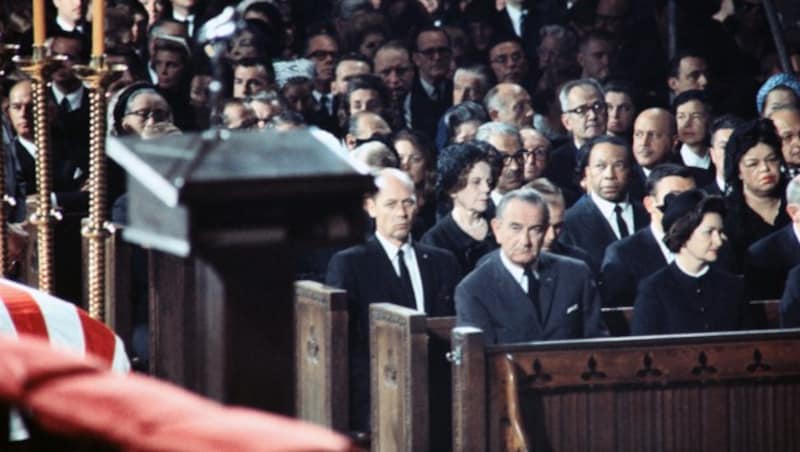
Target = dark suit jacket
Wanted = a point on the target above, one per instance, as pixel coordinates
(535, 15)
(367, 274)
(586, 228)
(425, 112)
(790, 302)
(14, 180)
(72, 128)
(671, 302)
(626, 263)
(561, 171)
(490, 299)
(769, 261)
(702, 177)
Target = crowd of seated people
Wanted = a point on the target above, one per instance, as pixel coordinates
(535, 160)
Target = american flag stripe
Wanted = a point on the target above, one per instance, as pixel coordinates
(27, 311)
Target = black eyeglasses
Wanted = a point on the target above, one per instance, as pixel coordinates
(597, 107)
(157, 114)
(518, 157)
(538, 154)
(429, 53)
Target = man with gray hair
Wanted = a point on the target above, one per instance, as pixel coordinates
(507, 142)
(511, 104)
(365, 126)
(770, 259)
(584, 114)
(389, 268)
(521, 293)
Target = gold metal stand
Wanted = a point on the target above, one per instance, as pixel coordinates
(97, 76)
(44, 217)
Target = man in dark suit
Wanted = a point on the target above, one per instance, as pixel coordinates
(431, 92)
(389, 268)
(69, 21)
(693, 115)
(721, 129)
(523, 19)
(522, 294)
(585, 116)
(790, 302)
(628, 261)
(606, 214)
(71, 119)
(770, 259)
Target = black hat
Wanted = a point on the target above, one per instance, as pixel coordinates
(122, 103)
(679, 205)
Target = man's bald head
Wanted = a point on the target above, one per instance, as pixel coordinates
(509, 103)
(654, 136)
(20, 108)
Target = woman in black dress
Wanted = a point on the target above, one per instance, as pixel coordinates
(690, 295)
(756, 207)
(466, 175)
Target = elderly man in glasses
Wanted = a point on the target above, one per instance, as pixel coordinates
(584, 115)
(505, 138)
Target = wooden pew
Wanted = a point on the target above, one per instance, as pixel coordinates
(321, 355)
(410, 379)
(736, 391)
(764, 314)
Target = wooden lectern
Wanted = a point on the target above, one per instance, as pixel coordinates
(226, 213)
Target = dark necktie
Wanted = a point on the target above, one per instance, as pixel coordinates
(405, 281)
(533, 291)
(623, 227)
(323, 105)
(64, 106)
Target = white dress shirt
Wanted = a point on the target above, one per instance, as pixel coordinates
(429, 89)
(690, 158)
(517, 272)
(410, 258)
(74, 98)
(188, 20)
(496, 197)
(607, 209)
(329, 98)
(28, 146)
(515, 14)
(659, 235)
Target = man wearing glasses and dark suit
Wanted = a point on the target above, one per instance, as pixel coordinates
(584, 115)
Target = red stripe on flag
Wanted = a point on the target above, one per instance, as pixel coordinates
(24, 311)
(99, 339)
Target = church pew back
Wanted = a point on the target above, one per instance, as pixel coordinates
(723, 391)
(321, 355)
(410, 379)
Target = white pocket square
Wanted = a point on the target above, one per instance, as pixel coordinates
(572, 308)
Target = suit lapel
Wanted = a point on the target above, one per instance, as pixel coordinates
(597, 221)
(547, 286)
(640, 216)
(512, 293)
(385, 272)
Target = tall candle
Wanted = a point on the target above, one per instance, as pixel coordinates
(38, 22)
(98, 27)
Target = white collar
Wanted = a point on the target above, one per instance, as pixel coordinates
(659, 236)
(68, 27)
(796, 230)
(74, 98)
(429, 89)
(721, 184)
(515, 13)
(181, 18)
(646, 171)
(690, 158)
(28, 145)
(517, 272)
(607, 207)
(690, 274)
(496, 196)
(392, 249)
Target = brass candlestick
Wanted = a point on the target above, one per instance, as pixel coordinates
(38, 68)
(96, 76)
